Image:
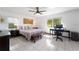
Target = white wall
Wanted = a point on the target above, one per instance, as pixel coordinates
(10, 17)
(70, 19)
(4, 25)
(13, 20)
(29, 17)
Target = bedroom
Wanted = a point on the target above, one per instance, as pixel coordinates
(33, 26)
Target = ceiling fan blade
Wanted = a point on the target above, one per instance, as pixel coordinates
(32, 11)
(40, 13)
(43, 11)
(35, 13)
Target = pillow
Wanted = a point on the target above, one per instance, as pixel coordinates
(21, 28)
(29, 27)
(25, 27)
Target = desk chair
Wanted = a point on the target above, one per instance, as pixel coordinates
(58, 32)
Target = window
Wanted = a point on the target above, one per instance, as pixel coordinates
(56, 21)
(49, 23)
(12, 25)
(53, 22)
(13, 22)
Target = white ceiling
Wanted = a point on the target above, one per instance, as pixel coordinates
(23, 11)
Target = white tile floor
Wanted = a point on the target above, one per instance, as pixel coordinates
(47, 43)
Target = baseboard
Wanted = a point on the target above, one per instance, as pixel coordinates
(48, 33)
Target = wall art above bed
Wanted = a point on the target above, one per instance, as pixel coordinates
(1, 20)
(27, 21)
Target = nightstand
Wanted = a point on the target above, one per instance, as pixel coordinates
(14, 33)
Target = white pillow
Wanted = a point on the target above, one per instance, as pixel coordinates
(21, 28)
(29, 27)
(25, 27)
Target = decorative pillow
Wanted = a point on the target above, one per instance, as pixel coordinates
(30, 27)
(25, 27)
(21, 28)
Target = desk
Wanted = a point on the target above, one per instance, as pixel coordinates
(61, 30)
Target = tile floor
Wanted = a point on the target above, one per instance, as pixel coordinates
(47, 43)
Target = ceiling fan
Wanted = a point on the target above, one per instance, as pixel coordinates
(37, 10)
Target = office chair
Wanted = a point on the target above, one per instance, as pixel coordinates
(58, 31)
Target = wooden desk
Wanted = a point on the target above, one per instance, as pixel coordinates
(62, 30)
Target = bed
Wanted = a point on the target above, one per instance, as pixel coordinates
(32, 34)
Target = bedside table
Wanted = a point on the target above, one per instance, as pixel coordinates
(14, 33)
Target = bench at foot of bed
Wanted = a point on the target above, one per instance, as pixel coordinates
(34, 38)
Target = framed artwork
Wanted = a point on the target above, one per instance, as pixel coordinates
(1, 20)
(27, 21)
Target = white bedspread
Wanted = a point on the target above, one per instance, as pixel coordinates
(30, 32)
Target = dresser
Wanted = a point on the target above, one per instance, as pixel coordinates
(4, 41)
